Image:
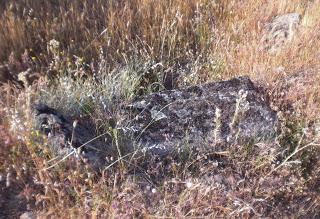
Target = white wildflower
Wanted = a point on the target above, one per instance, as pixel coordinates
(188, 185)
(54, 44)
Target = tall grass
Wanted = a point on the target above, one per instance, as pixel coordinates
(167, 31)
(160, 30)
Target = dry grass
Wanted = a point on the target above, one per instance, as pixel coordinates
(157, 30)
(107, 52)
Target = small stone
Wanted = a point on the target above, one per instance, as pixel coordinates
(280, 31)
(28, 215)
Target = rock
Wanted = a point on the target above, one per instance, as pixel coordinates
(28, 215)
(280, 31)
(207, 117)
(64, 136)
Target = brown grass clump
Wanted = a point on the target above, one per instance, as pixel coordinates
(85, 58)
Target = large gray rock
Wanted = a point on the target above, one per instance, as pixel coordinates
(213, 116)
(207, 117)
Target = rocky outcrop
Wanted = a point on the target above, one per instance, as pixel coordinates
(212, 116)
(280, 31)
(206, 117)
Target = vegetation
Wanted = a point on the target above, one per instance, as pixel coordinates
(90, 56)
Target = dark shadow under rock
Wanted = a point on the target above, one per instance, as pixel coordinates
(66, 136)
(207, 117)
